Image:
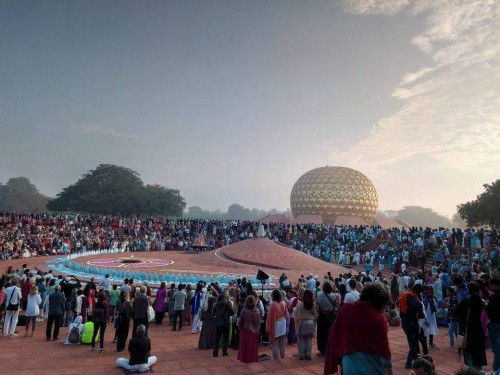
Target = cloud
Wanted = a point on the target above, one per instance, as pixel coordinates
(450, 110)
(89, 129)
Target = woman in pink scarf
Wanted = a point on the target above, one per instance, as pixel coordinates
(277, 324)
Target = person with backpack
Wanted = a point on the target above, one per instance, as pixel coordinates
(221, 312)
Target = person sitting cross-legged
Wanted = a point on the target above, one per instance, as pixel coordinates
(139, 348)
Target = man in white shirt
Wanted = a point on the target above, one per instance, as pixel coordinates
(353, 294)
(13, 297)
(311, 283)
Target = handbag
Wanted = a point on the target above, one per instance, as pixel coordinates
(12, 306)
(151, 314)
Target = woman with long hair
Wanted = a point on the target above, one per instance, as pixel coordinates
(358, 340)
(124, 310)
(469, 312)
(99, 318)
(32, 310)
(249, 325)
(305, 324)
(277, 324)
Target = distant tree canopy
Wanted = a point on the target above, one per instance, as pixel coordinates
(20, 195)
(423, 217)
(111, 189)
(485, 209)
(234, 212)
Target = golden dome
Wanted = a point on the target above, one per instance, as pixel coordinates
(332, 192)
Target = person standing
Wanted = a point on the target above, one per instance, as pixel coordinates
(221, 312)
(469, 312)
(348, 342)
(56, 310)
(113, 300)
(493, 310)
(141, 304)
(13, 297)
(411, 310)
(32, 310)
(249, 326)
(171, 303)
(159, 304)
(196, 307)
(305, 324)
(179, 299)
(124, 310)
(100, 318)
(276, 324)
(327, 302)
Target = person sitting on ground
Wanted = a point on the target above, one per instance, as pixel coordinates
(139, 348)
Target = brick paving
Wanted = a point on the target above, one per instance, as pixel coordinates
(177, 351)
(178, 354)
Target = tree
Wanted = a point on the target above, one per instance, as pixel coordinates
(20, 195)
(485, 209)
(160, 200)
(423, 217)
(111, 189)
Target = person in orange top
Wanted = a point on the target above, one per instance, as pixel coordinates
(277, 324)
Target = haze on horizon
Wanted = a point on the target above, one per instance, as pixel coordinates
(232, 101)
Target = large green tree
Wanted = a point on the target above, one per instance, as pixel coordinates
(20, 195)
(163, 201)
(485, 209)
(111, 189)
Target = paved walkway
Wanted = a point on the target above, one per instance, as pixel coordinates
(177, 354)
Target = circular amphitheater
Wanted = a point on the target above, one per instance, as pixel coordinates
(241, 259)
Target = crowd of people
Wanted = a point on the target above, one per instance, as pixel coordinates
(460, 291)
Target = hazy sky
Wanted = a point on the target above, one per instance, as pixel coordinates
(232, 101)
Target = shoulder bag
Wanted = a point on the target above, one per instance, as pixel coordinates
(12, 306)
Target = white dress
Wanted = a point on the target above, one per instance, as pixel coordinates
(431, 317)
(33, 307)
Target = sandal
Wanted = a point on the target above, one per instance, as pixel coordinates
(101, 350)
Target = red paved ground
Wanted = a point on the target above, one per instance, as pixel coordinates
(177, 354)
(177, 351)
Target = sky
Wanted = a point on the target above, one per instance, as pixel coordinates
(232, 101)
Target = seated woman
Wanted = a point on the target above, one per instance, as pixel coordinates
(350, 345)
(72, 338)
(139, 348)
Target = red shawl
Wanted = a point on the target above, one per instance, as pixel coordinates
(358, 328)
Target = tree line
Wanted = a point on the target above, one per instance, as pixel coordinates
(111, 189)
